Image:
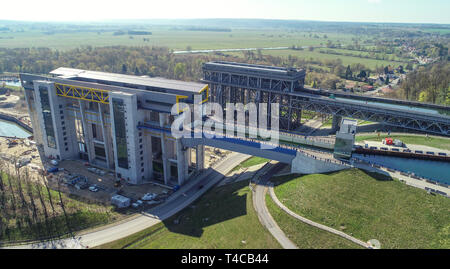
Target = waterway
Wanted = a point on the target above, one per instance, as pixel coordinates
(11, 83)
(401, 107)
(433, 170)
(226, 50)
(13, 130)
(14, 83)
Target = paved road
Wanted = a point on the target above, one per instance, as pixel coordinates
(264, 216)
(181, 199)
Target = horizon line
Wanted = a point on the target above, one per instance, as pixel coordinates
(217, 18)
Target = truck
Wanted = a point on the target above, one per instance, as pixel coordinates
(120, 201)
(398, 143)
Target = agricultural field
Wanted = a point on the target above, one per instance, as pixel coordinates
(346, 60)
(172, 38)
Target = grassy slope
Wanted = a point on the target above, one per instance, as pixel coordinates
(304, 235)
(436, 142)
(81, 214)
(251, 162)
(231, 219)
(399, 216)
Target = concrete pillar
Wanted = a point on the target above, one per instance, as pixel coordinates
(181, 162)
(166, 164)
(86, 132)
(105, 137)
(200, 157)
(336, 122)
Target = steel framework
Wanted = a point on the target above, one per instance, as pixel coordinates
(83, 93)
(245, 83)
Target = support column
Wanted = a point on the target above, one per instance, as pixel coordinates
(105, 137)
(200, 157)
(336, 122)
(86, 132)
(166, 163)
(181, 162)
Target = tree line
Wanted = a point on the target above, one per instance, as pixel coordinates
(161, 62)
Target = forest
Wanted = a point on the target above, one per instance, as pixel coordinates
(428, 83)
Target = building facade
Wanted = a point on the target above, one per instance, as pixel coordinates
(118, 122)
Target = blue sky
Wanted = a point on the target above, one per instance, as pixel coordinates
(415, 11)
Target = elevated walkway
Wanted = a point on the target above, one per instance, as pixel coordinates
(302, 160)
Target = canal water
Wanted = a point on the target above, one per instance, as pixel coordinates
(225, 50)
(433, 170)
(402, 107)
(12, 83)
(13, 130)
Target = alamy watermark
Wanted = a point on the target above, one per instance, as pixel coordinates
(208, 121)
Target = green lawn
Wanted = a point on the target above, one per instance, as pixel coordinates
(369, 206)
(328, 123)
(364, 122)
(304, 235)
(222, 218)
(13, 88)
(251, 162)
(436, 142)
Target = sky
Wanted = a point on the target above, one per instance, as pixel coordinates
(405, 11)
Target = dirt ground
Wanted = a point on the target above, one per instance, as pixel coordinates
(71, 167)
(212, 155)
(105, 183)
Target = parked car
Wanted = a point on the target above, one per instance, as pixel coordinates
(82, 185)
(149, 196)
(93, 188)
(154, 202)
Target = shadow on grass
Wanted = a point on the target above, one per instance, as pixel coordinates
(216, 206)
(379, 176)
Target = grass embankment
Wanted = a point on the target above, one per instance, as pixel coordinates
(369, 206)
(250, 162)
(435, 142)
(222, 218)
(30, 211)
(304, 235)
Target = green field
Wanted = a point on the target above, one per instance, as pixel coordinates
(369, 206)
(436, 142)
(303, 235)
(175, 39)
(222, 218)
(251, 162)
(346, 60)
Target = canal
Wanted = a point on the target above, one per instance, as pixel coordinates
(433, 170)
(11, 129)
(395, 106)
